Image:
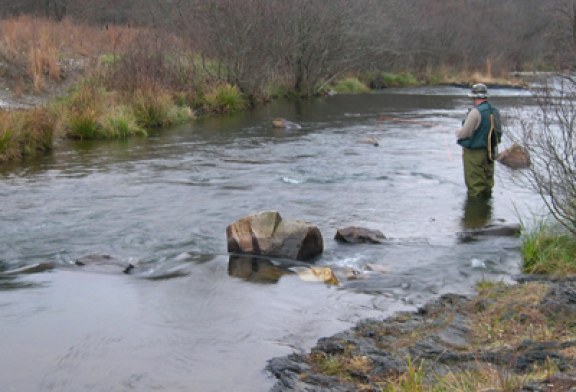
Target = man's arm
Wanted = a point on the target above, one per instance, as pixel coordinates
(470, 125)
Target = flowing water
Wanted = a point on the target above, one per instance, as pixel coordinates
(166, 201)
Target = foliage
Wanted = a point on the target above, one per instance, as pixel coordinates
(350, 85)
(549, 251)
(120, 123)
(151, 108)
(25, 133)
(225, 99)
(403, 79)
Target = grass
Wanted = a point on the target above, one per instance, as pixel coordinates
(412, 380)
(225, 98)
(548, 250)
(346, 366)
(25, 133)
(504, 315)
(351, 85)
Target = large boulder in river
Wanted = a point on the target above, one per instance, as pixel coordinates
(515, 157)
(266, 234)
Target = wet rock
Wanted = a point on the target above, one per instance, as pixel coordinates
(494, 230)
(267, 234)
(106, 263)
(369, 140)
(317, 274)
(27, 269)
(515, 157)
(438, 332)
(285, 124)
(354, 235)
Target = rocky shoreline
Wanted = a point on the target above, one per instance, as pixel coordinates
(508, 337)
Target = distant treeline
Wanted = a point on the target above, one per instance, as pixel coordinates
(306, 44)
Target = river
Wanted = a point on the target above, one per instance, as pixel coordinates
(166, 200)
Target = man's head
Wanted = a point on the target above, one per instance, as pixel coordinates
(479, 92)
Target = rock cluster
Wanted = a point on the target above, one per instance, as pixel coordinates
(439, 333)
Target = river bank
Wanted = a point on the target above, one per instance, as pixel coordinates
(507, 338)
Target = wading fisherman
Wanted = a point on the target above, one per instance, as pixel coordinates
(479, 136)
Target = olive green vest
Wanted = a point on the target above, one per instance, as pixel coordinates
(479, 140)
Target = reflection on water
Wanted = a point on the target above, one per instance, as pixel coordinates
(255, 269)
(477, 212)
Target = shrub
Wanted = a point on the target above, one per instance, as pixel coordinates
(119, 123)
(403, 79)
(151, 109)
(25, 133)
(351, 86)
(225, 99)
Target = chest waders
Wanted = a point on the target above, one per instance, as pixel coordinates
(480, 151)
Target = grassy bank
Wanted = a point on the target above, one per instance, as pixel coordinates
(113, 82)
(529, 320)
(549, 250)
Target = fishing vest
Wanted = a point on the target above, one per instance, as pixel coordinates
(480, 139)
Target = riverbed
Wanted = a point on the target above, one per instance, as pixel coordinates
(165, 201)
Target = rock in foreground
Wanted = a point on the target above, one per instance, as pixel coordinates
(267, 234)
(481, 342)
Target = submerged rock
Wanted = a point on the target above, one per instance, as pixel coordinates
(267, 234)
(494, 230)
(354, 234)
(285, 124)
(106, 263)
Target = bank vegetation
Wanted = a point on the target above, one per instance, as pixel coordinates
(134, 65)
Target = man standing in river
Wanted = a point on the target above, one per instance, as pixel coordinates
(479, 137)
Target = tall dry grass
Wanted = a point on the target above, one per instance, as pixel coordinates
(35, 51)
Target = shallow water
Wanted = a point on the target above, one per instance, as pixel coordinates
(166, 201)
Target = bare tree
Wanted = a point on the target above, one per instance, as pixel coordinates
(549, 137)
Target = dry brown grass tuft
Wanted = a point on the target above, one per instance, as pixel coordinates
(504, 316)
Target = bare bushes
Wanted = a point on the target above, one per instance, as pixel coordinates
(549, 137)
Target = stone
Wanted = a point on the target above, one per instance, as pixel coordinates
(267, 234)
(515, 157)
(354, 234)
(105, 263)
(317, 274)
(283, 123)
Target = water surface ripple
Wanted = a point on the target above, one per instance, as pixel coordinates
(166, 201)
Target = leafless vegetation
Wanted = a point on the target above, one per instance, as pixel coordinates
(549, 136)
